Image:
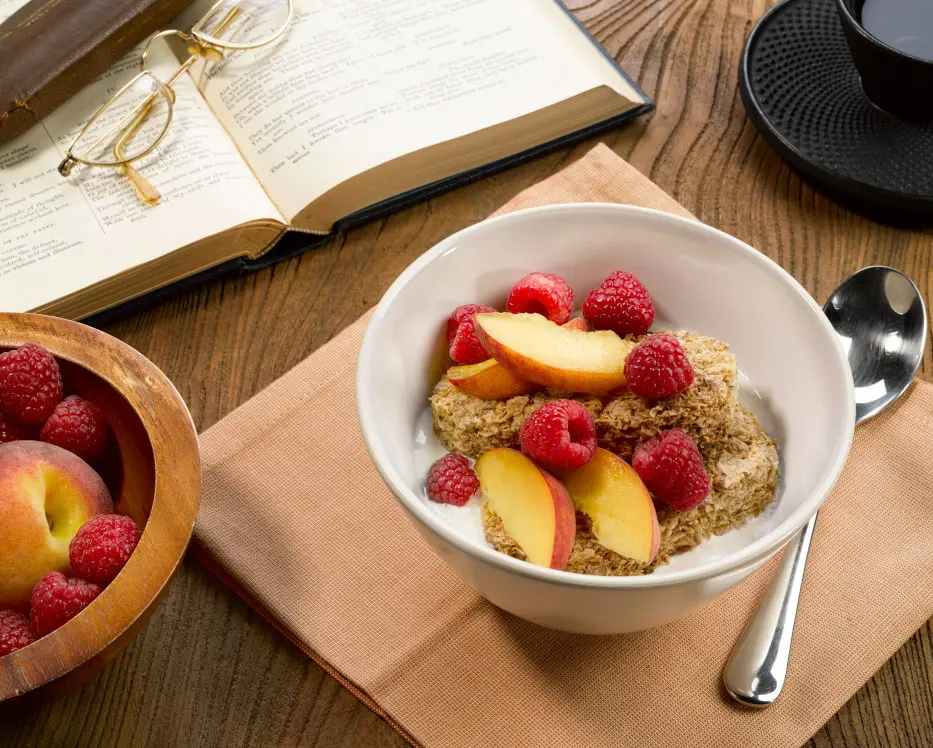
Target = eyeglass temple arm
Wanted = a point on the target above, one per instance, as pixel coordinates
(149, 193)
(145, 188)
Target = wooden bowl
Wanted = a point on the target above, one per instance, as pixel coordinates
(154, 476)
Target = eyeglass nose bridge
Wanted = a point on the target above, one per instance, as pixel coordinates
(204, 51)
(196, 44)
(193, 43)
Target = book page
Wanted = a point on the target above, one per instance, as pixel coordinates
(59, 235)
(9, 7)
(357, 83)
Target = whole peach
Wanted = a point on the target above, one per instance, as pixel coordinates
(46, 494)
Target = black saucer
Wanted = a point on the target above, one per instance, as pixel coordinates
(801, 90)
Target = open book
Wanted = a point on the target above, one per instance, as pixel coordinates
(363, 106)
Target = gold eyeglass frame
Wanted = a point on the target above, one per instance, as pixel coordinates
(201, 45)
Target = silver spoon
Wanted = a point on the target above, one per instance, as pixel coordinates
(880, 317)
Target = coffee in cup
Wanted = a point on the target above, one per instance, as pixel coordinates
(891, 42)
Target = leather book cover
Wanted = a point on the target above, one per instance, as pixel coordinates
(51, 49)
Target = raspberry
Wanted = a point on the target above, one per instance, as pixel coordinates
(56, 599)
(30, 384)
(11, 431)
(542, 293)
(103, 545)
(621, 304)
(658, 368)
(465, 347)
(560, 434)
(452, 480)
(14, 632)
(672, 469)
(78, 426)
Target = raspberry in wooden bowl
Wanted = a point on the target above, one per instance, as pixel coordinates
(114, 457)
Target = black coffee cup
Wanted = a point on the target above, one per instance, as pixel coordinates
(894, 81)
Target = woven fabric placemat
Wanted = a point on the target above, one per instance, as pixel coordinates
(295, 517)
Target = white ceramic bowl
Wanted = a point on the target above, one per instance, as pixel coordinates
(795, 377)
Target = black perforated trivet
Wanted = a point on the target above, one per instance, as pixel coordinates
(802, 91)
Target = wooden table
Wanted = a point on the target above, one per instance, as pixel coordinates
(207, 671)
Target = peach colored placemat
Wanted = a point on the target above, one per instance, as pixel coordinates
(295, 517)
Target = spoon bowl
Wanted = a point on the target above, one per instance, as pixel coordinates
(880, 317)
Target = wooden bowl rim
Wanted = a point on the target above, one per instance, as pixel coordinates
(173, 438)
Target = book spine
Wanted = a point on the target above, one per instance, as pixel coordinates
(51, 49)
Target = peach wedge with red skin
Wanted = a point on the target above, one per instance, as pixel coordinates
(490, 380)
(608, 490)
(535, 509)
(536, 349)
(46, 494)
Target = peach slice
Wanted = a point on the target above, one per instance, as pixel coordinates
(534, 507)
(608, 490)
(577, 323)
(490, 380)
(536, 349)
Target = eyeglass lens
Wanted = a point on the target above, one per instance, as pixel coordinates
(243, 24)
(129, 126)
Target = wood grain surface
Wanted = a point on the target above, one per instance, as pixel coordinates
(208, 672)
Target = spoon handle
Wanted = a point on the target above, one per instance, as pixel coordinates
(755, 673)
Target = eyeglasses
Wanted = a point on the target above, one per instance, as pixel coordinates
(136, 119)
